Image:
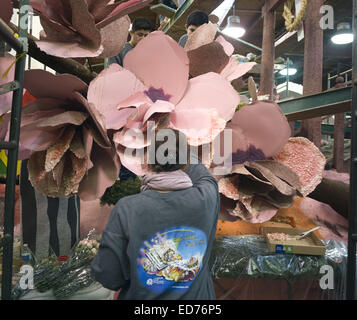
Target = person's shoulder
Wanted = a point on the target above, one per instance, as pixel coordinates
(182, 40)
(183, 37)
(130, 203)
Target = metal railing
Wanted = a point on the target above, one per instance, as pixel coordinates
(12, 146)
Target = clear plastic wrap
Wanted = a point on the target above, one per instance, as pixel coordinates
(242, 268)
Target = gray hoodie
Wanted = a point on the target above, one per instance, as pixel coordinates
(157, 245)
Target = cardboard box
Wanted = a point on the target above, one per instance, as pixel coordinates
(310, 245)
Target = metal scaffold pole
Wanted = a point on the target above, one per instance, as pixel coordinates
(352, 232)
(13, 143)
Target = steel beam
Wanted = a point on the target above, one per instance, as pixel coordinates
(352, 221)
(317, 105)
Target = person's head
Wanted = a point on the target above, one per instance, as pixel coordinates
(140, 28)
(194, 20)
(171, 151)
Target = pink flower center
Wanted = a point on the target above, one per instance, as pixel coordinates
(157, 94)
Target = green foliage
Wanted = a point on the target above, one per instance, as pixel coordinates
(119, 190)
(241, 105)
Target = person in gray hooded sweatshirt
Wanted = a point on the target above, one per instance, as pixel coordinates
(157, 243)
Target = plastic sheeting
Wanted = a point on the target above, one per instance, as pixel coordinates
(242, 268)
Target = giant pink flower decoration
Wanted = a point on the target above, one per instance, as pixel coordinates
(65, 139)
(257, 187)
(84, 28)
(153, 85)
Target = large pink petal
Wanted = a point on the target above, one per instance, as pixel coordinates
(123, 9)
(264, 125)
(54, 31)
(254, 210)
(135, 100)
(38, 5)
(203, 35)
(135, 121)
(207, 58)
(227, 46)
(6, 99)
(105, 172)
(43, 84)
(228, 186)
(160, 63)
(69, 50)
(65, 118)
(159, 106)
(306, 160)
(114, 37)
(39, 140)
(87, 144)
(120, 118)
(132, 163)
(6, 10)
(83, 22)
(133, 138)
(199, 125)
(234, 70)
(239, 142)
(210, 91)
(96, 120)
(100, 9)
(109, 88)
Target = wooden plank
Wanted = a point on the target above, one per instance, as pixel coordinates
(271, 5)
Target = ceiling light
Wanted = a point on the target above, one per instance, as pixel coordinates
(234, 29)
(288, 71)
(343, 35)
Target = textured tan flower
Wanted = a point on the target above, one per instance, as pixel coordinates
(259, 189)
(70, 151)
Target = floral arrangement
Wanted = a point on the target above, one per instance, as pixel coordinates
(64, 276)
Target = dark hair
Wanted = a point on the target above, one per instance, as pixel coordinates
(141, 23)
(197, 18)
(176, 152)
